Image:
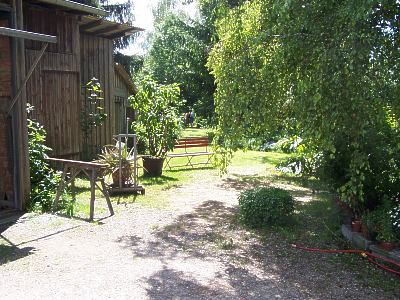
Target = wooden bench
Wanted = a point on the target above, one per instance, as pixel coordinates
(92, 170)
(188, 144)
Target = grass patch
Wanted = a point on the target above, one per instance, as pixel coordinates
(157, 189)
(195, 132)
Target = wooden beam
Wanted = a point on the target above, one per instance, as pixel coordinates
(91, 25)
(119, 34)
(32, 68)
(28, 35)
(106, 29)
(77, 6)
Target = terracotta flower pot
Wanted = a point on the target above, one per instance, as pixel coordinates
(365, 231)
(388, 246)
(356, 225)
(115, 177)
(152, 166)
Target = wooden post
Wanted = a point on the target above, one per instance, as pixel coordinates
(135, 171)
(120, 161)
(19, 115)
(92, 192)
(105, 193)
(60, 188)
(73, 191)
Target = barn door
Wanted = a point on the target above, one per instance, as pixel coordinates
(120, 114)
(61, 101)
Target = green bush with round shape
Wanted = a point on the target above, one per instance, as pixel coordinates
(265, 206)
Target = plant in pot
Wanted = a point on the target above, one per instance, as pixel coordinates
(157, 121)
(356, 223)
(384, 227)
(367, 225)
(386, 236)
(110, 157)
(353, 198)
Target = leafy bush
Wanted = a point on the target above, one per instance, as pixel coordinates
(44, 180)
(200, 122)
(384, 221)
(158, 120)
(265, 206)
(92, 115)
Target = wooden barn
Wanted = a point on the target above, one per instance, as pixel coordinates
(123, 88)
(49, 49)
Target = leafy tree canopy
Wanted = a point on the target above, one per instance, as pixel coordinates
(326, 69)
(178, 54)
(133, 64)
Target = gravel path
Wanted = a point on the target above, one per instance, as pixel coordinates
(191, 250)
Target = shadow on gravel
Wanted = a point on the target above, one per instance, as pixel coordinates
(209, 233)
(244, 182)
(10, 252)
(172, 284)
(246, 264)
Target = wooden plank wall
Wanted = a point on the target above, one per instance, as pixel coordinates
(6, 141)
(54, 88)
(97, 61)
(121, 94)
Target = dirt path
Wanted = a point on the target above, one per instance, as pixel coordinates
(191, 250)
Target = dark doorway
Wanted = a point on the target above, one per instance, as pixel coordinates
(7, 200)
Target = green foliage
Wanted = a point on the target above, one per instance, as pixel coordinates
(133, 64)
(327, 70)
(110, 157)
(158, 119)
(92, 113)
(384, 221)
(44, 180)
(265, 206)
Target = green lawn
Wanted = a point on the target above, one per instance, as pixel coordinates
(157, 187)
(195, 132)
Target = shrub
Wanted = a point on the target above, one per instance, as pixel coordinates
(384, 221)
(265, 206)
(44, 180)
(158, 121)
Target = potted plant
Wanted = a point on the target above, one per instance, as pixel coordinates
(382, 226)
(356, 220)
(386, 237)
(110, 157)
(366, 225)
(157, 121)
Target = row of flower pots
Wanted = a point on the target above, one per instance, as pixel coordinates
(371, 229)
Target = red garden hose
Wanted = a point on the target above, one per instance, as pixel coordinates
(369, 256)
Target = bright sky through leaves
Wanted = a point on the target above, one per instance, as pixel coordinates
(143, 11)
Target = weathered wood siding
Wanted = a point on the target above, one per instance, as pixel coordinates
(54, 88)
(6, 142)
(121, 94)
(97, 61)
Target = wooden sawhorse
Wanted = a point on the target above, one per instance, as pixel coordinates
(92, 170)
